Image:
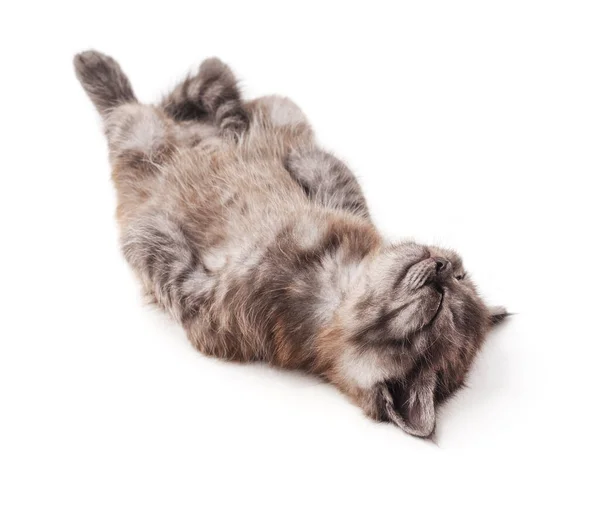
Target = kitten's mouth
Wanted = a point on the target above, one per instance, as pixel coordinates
(442, 293)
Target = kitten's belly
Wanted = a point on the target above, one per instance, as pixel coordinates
(233, 209)
(222, 180)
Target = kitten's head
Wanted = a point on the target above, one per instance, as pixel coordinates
(419, 317)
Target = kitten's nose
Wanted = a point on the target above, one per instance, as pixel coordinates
(442, 266)
(432, 269)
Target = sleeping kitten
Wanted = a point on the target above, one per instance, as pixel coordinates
(261, 245)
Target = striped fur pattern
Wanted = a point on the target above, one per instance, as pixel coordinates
(211, 94)
(327, 181)
(260, 244)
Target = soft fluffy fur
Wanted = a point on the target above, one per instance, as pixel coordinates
(261, 245)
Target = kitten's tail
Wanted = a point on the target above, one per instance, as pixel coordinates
(103, 80)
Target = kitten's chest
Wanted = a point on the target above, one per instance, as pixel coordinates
(366, 368)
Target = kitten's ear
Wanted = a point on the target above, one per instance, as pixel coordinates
(498, 314)
(409, 405)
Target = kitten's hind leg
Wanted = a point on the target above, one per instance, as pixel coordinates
(159, 250)
(211, 94)
(138, 134)
(141, 143)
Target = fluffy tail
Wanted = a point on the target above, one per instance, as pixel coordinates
(103, 80)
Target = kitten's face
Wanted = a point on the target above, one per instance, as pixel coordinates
(421, 308)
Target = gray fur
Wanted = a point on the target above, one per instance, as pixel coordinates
(260, 244)
(327, 181)
(103, 80)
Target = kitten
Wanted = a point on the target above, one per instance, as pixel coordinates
(260, 244)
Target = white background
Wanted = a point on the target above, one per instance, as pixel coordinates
(470, 124)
